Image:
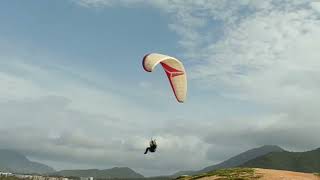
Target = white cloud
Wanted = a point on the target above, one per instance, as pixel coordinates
(78, 123)
(17, 88)
(267, 50)
(316, 6)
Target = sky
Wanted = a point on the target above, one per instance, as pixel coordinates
(74, 94)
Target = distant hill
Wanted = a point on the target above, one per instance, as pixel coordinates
(117, 172)
(236, 160)
(308, 161)
(13, 161)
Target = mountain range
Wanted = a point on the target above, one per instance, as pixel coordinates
(13, 161)
(116, 172)
(308, 161)
(269, 157)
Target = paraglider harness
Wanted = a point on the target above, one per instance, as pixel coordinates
(153, 145)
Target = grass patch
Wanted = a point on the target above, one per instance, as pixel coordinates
(227, 174)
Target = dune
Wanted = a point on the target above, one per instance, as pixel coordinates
(254, 174)
(283, 175)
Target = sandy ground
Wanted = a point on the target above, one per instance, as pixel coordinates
(270, 174)
(285, 175)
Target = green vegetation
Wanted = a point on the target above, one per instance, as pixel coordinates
(226, 174)
(293, 161)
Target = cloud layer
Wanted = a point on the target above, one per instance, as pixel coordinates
(261, 53)
(255, 60)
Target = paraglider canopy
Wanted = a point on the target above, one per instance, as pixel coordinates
(174, 69)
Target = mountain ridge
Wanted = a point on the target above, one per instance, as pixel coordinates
(235, 160)
(307, 161)
(16, 162)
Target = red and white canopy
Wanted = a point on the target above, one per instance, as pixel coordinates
(174, 70)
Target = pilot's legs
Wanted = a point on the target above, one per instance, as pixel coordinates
(148, 148)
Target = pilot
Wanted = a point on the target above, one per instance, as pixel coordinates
(152, 148)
